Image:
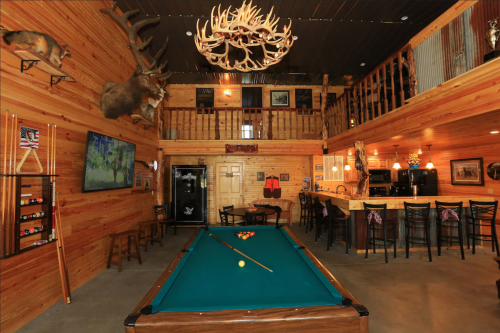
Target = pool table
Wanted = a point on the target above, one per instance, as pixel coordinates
(205, 290)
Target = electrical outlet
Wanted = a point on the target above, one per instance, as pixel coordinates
(490, 190)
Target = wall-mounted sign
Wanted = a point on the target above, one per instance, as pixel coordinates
(242, 149)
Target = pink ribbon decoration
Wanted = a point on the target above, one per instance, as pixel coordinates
(374, 215)
(445, 216)
(304, 202)
(325, 212)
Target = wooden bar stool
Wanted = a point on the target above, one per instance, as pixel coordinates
(154, 227)
(131, 235)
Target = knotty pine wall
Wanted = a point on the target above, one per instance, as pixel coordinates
(296, 166)
(30, 282)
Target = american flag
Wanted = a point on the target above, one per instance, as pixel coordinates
(29, 138)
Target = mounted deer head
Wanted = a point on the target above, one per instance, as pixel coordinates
(121, 98)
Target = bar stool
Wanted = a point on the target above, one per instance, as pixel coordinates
(449, 216)
(161, 214)
(154, 226)
(337, 218)
(131, 235)
(482, 212)
(417, 217)
(319, 218)
(303, 210)
(377, 214)
(309, 212)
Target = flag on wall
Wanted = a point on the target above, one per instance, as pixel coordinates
(29, 138)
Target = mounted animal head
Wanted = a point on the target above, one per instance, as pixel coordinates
(119, 99)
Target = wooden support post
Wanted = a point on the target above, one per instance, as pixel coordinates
(270, 132)
(393, 90)
(361, 102)
(324, 95)
(363, 175)
(4, 179)
(367, 116)
(161, 164)
(412, 72)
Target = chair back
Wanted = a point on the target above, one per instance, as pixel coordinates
(486, 210)
(318, 208)
(417, 211)
(226, 208)
(255, 218)
(161, 212)
(381, 210)
(278, 211)
(302, 199)
(309, 201)
(223, 218)
(453, 206)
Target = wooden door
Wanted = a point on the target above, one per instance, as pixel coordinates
(228, 186)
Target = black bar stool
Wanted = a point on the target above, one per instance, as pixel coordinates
(482, 212)
(303, 210)
(225, 209)
(309, 212)
(417, 217)
(319, 218)
(337, 218)
(377, 215)
(449, 215)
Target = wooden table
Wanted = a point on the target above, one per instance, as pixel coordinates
(242, 211)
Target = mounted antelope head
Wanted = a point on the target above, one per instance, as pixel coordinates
(121, 98)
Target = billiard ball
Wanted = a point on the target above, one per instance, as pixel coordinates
(42, 214)
(37, 229)
(241, 263)
(40, 228)
(33, 215)
(26, 231)
(37, 214)
(32, 230)
(22, 233)
(40, 200)
(32, 201)
(24, 217)
(28, 216)
(22, 202)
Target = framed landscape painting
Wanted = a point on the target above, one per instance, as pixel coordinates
(280, 98)
(467, 172)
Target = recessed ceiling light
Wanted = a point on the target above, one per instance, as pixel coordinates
(189, 33)
(295, 37)
(404, 18)
(495, 132)
(362, 64)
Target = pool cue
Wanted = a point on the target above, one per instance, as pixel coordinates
(61, 254)
(14, 190)
(229, 246)
(48, 148)
(9, 195)
(2, 246)
(53, 170)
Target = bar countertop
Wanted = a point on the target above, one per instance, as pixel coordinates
(346, 203)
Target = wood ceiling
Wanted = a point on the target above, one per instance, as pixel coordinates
(334, 37)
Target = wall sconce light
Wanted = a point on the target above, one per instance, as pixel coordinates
(396, 165)
(152, 165)
(429, 165)
(334, 163)
(347, 166)
(227, 92)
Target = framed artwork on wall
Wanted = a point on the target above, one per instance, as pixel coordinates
(493, 170)
(319, 167)
(280, 98)
(467, 172)
(138, 178)
(284, 177)
(306, 183)
(319, 177)
(261, 176)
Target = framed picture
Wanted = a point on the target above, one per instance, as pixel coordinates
(493, 170)
(467, 172)
(280, 98)
(319, 167)
(147, 185)
(138, 178)
(306, 183)
(319, 177)
(261, 176)
(284, 177)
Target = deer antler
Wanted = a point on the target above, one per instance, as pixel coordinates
(152, 70)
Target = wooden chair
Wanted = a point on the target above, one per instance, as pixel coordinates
(224, 218)
(154, 226)
(264, 220)
(254, 218)
(225, 209)
(132, 235)
(161, 213)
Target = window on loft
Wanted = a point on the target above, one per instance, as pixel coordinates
(205, 99)
(247, 130)
(304, 100)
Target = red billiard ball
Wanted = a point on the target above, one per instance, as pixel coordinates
(32, 230)
(22, 232)
(40, 200)
(40, 228)
(28, 217)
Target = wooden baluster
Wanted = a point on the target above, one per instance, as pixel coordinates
(190, 111)
(217, 129)
(367, 116)
(270, 132)
(384, 76)
(278, 123)
(360, 87)
(209, 129)
(296, 124)
(232, 124)
(400, 66)
(349, 109)
(177, 134)
(372, 111)
(393, 97)
(196, 124)
(291, 126)
(378, 93)
(202, 124)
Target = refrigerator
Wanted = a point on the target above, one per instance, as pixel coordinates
(189, 194)
(425, 179)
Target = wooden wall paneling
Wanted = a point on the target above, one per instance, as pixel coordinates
(99, 53)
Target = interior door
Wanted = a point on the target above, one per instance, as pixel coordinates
(229, 186)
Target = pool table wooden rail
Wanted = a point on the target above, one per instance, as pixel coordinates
(350, 319)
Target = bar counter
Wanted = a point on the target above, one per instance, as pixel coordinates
(395, 211)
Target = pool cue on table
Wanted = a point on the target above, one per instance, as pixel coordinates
(229, 246)
(4, 179)
(61, 255)
(9, 194)
(14, 190)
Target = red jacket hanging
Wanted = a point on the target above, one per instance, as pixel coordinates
(272, 188)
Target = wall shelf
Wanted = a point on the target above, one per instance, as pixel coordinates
(140, 119)
(31, 59)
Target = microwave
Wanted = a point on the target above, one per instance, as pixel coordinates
(380, 176)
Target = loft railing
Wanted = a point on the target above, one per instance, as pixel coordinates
(242, 123)
(383, 90)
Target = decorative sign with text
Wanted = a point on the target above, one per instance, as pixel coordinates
(242, 149)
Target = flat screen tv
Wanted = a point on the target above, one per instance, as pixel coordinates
(109, 163)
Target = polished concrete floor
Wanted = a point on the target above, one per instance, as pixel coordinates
(404, 296)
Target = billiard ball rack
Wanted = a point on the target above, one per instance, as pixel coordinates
(46, 220)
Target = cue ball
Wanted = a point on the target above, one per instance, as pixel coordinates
(241, 263)
(22, 202)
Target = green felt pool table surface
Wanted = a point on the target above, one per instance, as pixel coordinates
(208, 277)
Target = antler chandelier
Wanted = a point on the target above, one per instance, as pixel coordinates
(244, 29)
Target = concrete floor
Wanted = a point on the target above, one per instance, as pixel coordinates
(447, 295)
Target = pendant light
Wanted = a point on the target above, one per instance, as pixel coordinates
(347, 166)
(396, 165)
(334, 163)
(429, 165)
